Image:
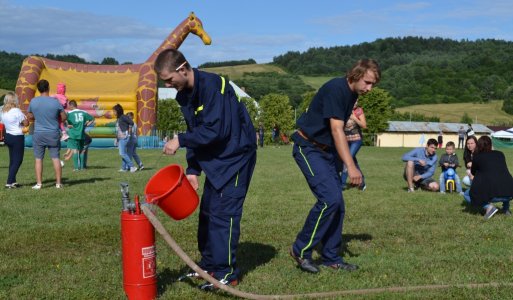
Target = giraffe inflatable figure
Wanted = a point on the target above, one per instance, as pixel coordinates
(135, 84)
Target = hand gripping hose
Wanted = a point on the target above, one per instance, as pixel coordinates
(172, 243)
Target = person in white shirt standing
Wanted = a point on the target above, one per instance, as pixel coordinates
(14, 121)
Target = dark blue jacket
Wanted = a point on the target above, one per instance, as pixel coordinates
(220, 136)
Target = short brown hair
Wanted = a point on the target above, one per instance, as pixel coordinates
(361, 67)
(169, 60)
(450, 144)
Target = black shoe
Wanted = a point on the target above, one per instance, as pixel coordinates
(209, 287)
(305, 264)
(344, 266)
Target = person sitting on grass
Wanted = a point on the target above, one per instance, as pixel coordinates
(420, 167)
(449, 160)
(492, 180)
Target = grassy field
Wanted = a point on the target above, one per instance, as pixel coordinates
(315, 82)
(65, 244)
(484, 113)
(236, 72)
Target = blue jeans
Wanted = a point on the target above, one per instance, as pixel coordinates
(354, 147)
(126, 162)
(504, 200)
(456, 180)
(131, 149)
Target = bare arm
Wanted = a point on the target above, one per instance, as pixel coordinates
(25, 122)
(361, 121)
(339, 137)
(30, 117)
(64, 116)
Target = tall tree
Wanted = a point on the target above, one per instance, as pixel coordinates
(276, 109)
(377, 109)
(169, 117)
(109, 61)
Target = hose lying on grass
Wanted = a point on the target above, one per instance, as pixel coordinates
(172, 243)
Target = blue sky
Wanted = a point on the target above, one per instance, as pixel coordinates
(131, 30)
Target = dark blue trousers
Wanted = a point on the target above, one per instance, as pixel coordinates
(219, 223)
(16, 145)
(323, 224)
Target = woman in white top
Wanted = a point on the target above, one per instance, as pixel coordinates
(14, 121)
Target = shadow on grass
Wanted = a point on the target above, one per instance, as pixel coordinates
(97, 167)
(249, 256)
(66, 181)
(471, 209)
(347, 238)
(167, 277)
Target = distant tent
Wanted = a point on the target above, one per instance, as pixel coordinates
(503, 138)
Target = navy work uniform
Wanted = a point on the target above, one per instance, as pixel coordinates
(220, 141)
(316, 156)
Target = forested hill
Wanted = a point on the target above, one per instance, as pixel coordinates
(419, 70)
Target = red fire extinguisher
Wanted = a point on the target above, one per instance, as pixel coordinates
(138, 248)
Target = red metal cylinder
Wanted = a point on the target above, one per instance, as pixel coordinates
(139, 256)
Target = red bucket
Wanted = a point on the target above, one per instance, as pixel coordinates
(172, 192)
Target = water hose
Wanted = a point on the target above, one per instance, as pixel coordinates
(172, 243)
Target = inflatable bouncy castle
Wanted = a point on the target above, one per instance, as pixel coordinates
(97, 88)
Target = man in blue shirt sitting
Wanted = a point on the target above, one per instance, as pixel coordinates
(420, 167)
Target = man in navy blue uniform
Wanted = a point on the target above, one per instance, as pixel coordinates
(220, 141)
(318, 143)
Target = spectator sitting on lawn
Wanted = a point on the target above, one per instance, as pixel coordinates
(492, 181)
(420, 167)
(449, 160)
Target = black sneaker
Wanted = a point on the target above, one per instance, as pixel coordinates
(304, 263)
(209, 287)
(344, 266)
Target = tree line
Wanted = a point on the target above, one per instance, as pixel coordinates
(227, 63)
(10, 65)
(418, 70)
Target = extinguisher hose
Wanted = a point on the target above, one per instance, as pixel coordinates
(172, 243)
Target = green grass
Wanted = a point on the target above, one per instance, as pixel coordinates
(65, 244)
(316, 81)
(483, 113)
(236, 72)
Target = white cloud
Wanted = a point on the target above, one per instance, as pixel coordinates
(50, 30)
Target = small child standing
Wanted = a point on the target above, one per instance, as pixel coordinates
(449, 160)
(63, 100)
